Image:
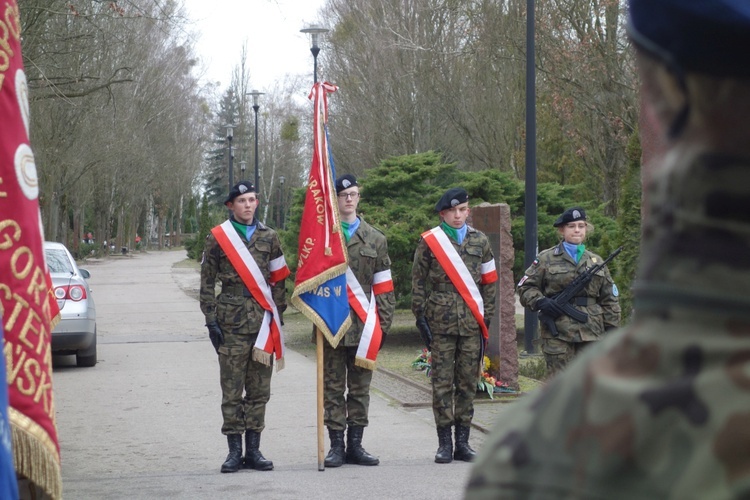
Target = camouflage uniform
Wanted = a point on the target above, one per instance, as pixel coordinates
(658, 409)
(549, 274)
(368, 254)
(457, 341)
(239, 316)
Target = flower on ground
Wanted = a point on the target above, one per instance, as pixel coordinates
(423, 362)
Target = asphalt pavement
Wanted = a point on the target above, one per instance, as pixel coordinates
(145, 422)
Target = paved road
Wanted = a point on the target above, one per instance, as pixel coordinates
(145, 422)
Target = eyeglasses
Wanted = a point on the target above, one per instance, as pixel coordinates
(346, 196)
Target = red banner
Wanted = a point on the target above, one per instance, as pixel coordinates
(320, 282)
(28, 308)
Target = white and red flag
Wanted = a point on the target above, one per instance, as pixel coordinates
(27, 305)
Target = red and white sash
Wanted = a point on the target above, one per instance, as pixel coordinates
(459, 274)
(367, 312)
(270, 340)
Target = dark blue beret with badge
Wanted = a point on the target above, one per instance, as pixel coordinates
(570, 215)
(703, 36)
(238, 189)
(452, 198)
(345, 182)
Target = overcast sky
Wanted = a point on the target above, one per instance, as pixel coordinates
(275, 47)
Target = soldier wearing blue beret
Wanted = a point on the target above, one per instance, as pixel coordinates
(659, 409)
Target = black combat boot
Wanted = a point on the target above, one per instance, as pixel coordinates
(254, 459)
(234, 459)
(336, 454)
(463, 450)
(444, 453)
(355, 454)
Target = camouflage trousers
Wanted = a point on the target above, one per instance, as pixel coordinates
(339, 374)
(238, 374)
(558, 353)
(455, 371)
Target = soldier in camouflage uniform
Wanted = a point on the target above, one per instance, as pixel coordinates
(368, 254)
(447, 326)
(233, 319)
(661, 408)
(550, 273)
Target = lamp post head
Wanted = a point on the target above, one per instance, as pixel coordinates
(281, 180)
(230, 130)
(255, 94)
(243, 166)
(314, 31)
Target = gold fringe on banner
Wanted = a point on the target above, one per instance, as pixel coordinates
(264, 357)
(34, 454)
(365, 363)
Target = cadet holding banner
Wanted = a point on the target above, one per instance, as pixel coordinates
(551, 272)
(454, 285)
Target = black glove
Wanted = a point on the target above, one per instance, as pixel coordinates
(549, 307)
(215, 334)
(425, 332)
(487, 322)
(609, 328)
(382, 340)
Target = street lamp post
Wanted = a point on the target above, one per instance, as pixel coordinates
(243, 166)
(256, 107)
(314, 31)
(279, 212)
(230, 129)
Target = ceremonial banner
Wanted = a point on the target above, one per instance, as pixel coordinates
(320, 283)
(28, 307)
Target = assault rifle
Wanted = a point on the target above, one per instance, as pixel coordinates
(563, 298)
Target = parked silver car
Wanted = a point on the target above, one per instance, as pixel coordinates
(76, 331)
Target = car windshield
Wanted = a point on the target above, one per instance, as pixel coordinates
(58, 261)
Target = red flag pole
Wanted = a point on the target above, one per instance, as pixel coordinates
(321, 439)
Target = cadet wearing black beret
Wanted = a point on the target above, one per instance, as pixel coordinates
(453, 197)
(238, 189)
(345, 182)
(570, 215)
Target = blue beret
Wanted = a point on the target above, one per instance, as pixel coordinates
(451, 198)
(703, 36)
(570, 215)
(238, 189)
(345, 182)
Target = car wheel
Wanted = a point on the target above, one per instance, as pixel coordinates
(87, 357)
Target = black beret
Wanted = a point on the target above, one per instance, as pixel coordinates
(451, 198)
(238, 189)
(570, 215)
(345, 182)
(703, 36)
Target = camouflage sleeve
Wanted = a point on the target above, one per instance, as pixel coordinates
(489, 292)
(386, 301)
(278, 289)
(419, 273)
(608, 299)
(530, 286)
(209, 269)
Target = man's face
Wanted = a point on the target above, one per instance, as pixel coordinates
(456, 217)
(243, 207)
(348, 200)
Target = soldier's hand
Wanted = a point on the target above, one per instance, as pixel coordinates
(487, 322)
(549, 307)
(425, 332)
(215, 334)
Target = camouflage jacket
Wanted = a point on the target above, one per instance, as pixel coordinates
(368, 254)
(434, 296)
(551, 272)
(658, 409)
(234, 309)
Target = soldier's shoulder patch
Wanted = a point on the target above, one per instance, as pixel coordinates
(536, 262)
(523, 280)
(615, 291)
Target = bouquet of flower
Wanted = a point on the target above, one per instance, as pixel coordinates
(423, 362)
